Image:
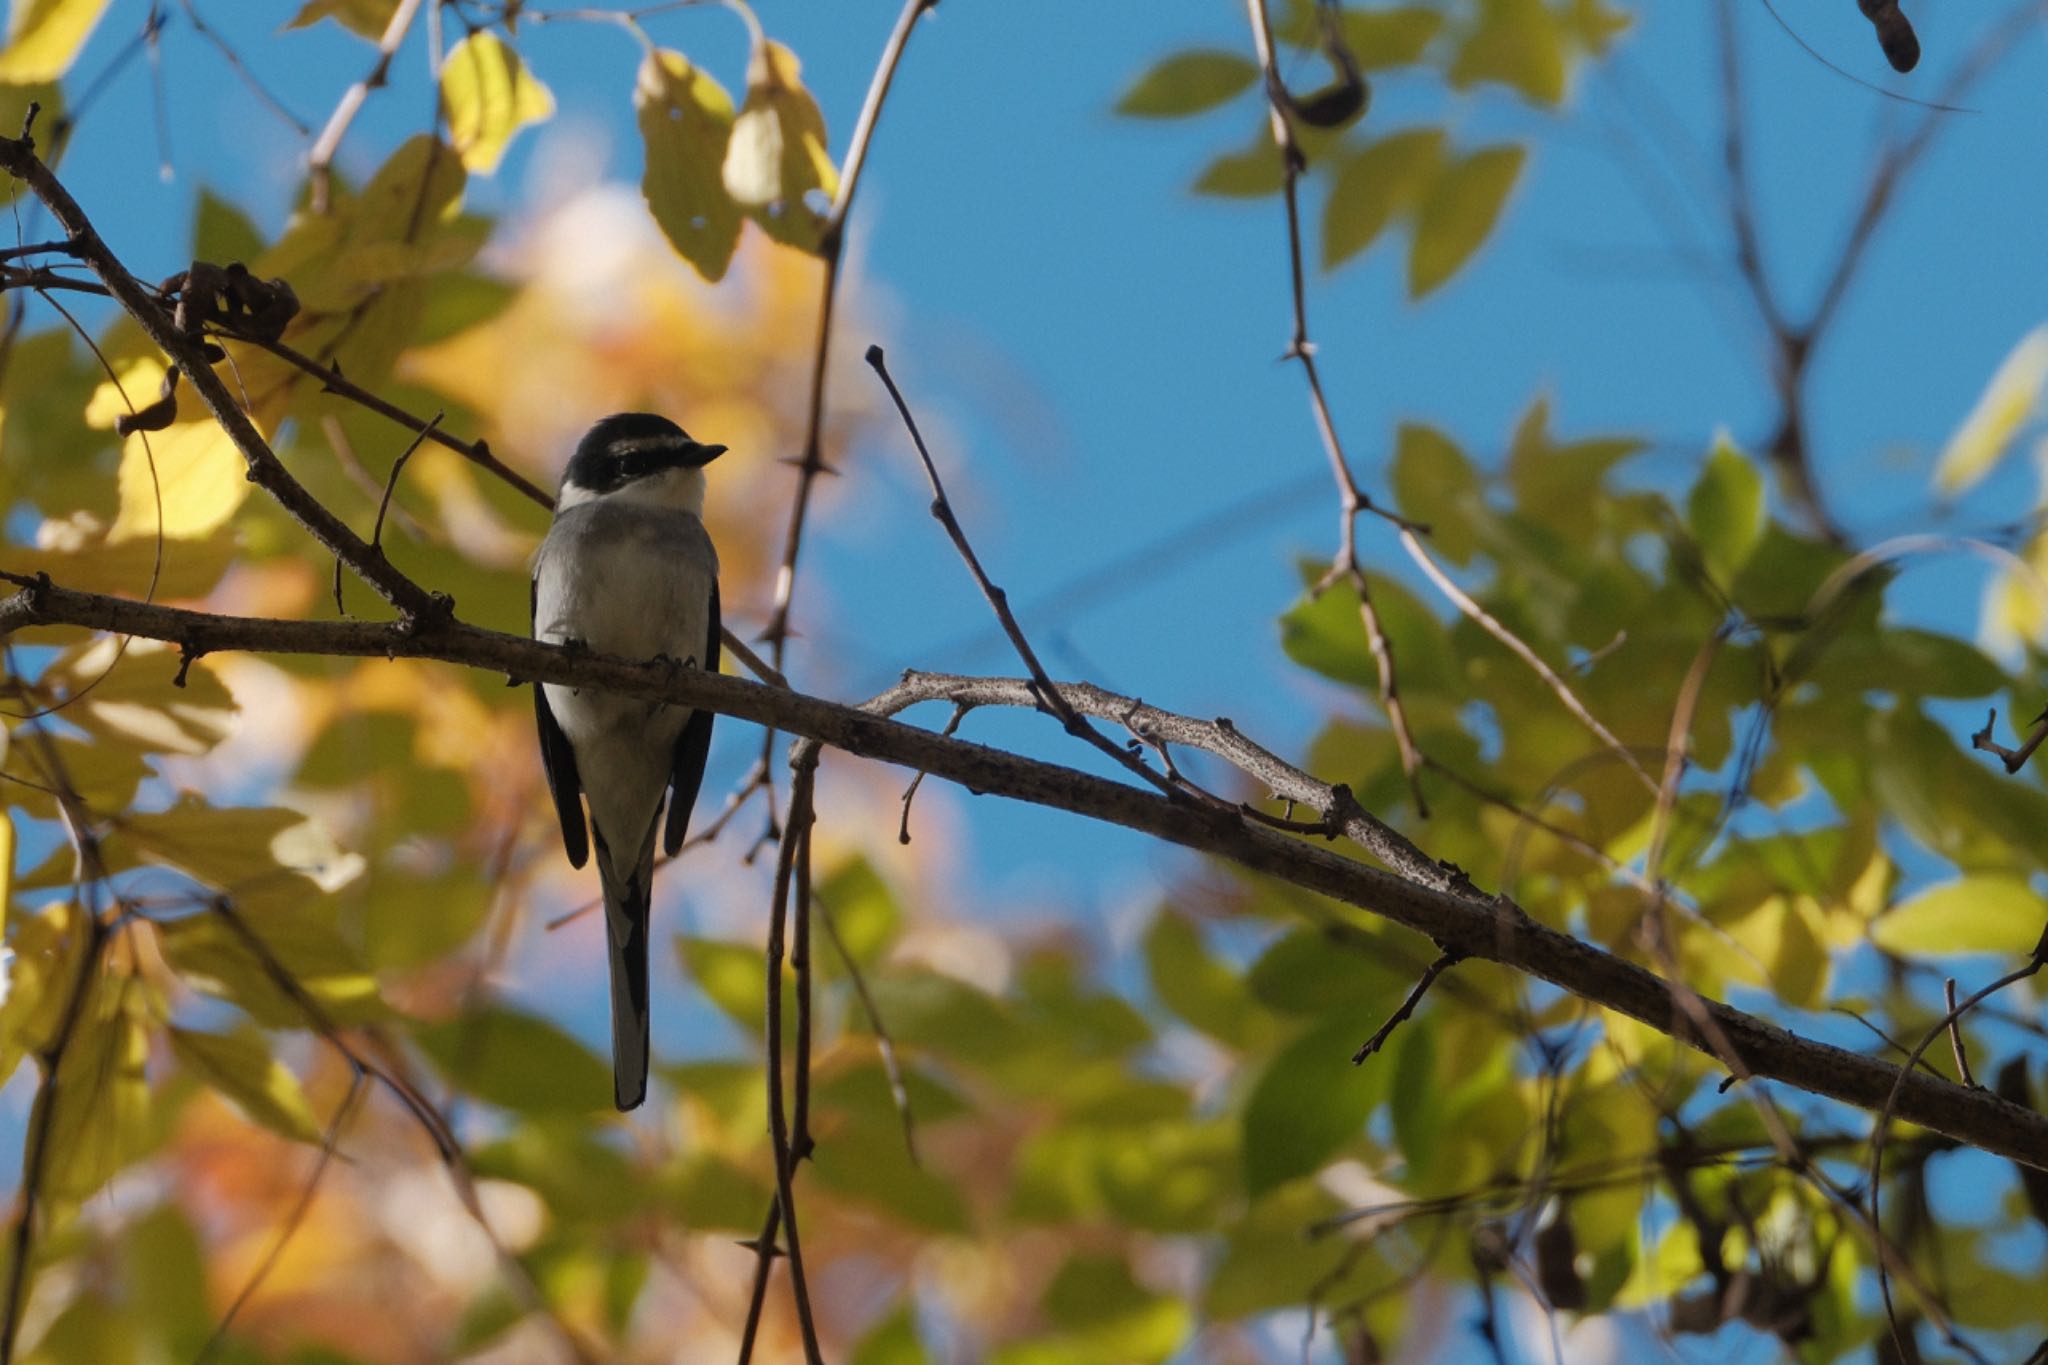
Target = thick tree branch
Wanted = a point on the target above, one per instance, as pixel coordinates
(1423, 896)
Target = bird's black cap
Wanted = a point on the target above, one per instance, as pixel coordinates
(631, 445)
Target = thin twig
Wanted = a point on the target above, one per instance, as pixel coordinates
(319, 160)
(1955, 1033)
(917, 779)
(1053, 700)
(1443, 963)
(892, 1067)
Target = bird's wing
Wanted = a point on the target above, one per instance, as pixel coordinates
(558, 761)
(692, 746)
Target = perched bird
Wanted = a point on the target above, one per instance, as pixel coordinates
(627, 569)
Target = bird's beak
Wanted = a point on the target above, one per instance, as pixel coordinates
(700, 454)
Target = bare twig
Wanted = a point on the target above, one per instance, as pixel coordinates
(999, 601)
(917, 779)
(1955, 1033)
(892, 1067)
(1443, 963)
(2014, 759)
(320, 159)
(1351, 499)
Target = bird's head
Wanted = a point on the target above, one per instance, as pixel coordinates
(638, 457)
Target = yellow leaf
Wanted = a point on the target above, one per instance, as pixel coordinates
(2009, 400)
(365, 18)
(187, 479)
(44, 37)
(776, 153)
(241, 1068)
(1976, 914)
(489, 95)
(191, 468)
(686, 122)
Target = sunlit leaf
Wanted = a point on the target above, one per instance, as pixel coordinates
(1459, 213)
(241, 1068)
(2009, 401)
(210, 956)
(43, 39)
(97, 1104)
(776, 155)
(488, 95)
(1726, 509)
(1383, 179)
(1435, 484)
(1189, 83)
(686, 123)
(1983, 913)
(518, 1061)
(365, 18)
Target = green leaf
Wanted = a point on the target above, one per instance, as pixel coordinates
(1383, 38)
(867, 1163)
(1516, 43)
(1268, 1260)
(1726, 510)
(15, 98)
(1459, 213)
(1195, 985)
(1250, 174)
(733, 976)
(710, 1194)
(1561, 485)
(241, 1068)
(1435, 484)
(517, 1061)
(2009, 401)
(1593, 26)
(1378, 38)
(1986, 913)
(686, 121)
(1189, 83)
(1308, 1103)
(43, 39)
(488, 95)
(98, 1102)
(863, 910)
(1327, 634)
(1103, 1314)
(221, 232)
(892, 1341)
(211, 957)
(1373, 185)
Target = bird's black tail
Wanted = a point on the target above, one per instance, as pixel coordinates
(627, 897)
